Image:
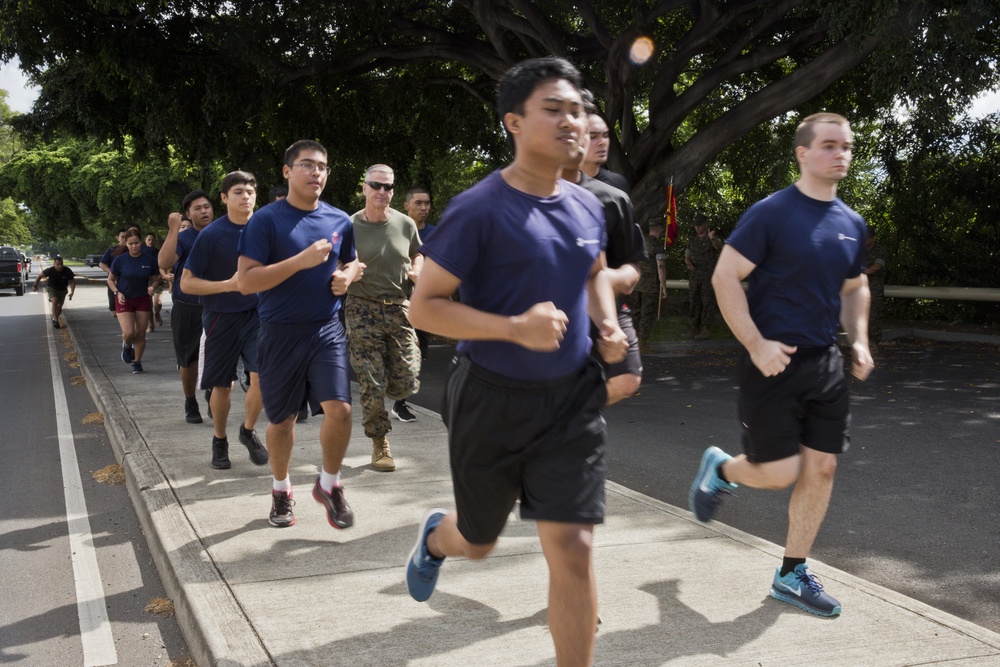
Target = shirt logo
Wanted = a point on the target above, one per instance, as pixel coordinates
(844, 237)
(335, 237)
(582, 242)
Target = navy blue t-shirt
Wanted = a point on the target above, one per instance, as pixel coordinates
(132, 273)
(804, 249)
(512, 250)
(214, 256)
(425, 233)
(279, 231)
(185, 241)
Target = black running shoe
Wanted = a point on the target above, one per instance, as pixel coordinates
(281, 509)
(191, 412)
(220, 453)
(338, 512)
(401, 411)
(258, 453)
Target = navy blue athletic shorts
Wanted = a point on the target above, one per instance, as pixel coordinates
(806, 404)
(541, 442)
(185, 325)
(227, 337)
(632, 363)
(300, 361)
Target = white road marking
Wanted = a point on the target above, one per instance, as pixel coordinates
(95, 628)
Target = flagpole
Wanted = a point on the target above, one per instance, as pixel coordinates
(669, 234)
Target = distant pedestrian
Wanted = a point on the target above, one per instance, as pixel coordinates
(229, 318)
(875, 258)
(418, 206)
(385, 354)
(700, 257)
(131, 278)
(597, 155)
(105, 264)
(644, 301)
(802, 252)
(59, 283)
(185, 315)
(298, 254)
(524, 396)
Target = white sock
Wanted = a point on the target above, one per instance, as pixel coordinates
(282, 484)
(328, 480)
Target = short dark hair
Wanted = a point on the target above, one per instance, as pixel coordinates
(236, 178)
(57, 258)
(418, 190)
(293, 151)
(589, 104)
(279, 191)
(806, 131)
(193, 196)
(521, 80)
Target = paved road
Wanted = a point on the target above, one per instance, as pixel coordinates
(40, 622)
(914, 508)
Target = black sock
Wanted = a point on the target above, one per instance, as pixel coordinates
(789, 564)
(722, 476)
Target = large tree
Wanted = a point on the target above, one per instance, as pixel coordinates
(394, 80)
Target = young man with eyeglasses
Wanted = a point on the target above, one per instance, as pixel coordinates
(298, 254)
(524, 397)
(385, 354)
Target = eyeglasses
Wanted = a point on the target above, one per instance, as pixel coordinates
(375, 185)
(313, 166)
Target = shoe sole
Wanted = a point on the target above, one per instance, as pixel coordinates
(322, 501)
(405, 421)
(792, 600)
(281, 525)
(194, 420)
(416, 548)
(220, 466)
(382, 467)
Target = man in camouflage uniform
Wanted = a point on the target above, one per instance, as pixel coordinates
(700, 256)
(644, 299)
(875, 263)
(382, 343)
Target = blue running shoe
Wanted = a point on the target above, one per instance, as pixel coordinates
(421, 567)
(801, 588)
(707, 489)
(128, 353)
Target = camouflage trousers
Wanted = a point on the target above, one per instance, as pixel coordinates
(703, 306)
(384, 355)
(643, 307)
(875, 313)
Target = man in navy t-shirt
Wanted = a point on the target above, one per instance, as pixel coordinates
(298, 254)
(802, 252)
(229, 318)
(524, 399)
(185, 315)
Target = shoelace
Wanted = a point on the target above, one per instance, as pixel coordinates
(283, 505)
(810, 581)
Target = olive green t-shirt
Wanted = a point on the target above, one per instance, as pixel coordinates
(385, 248)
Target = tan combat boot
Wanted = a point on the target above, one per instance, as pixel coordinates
(381, 456)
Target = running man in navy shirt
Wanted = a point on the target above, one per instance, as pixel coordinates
(524, 398)
(229, 318)
(298, 253)
(802, 250)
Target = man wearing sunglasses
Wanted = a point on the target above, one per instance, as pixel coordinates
(383, 345)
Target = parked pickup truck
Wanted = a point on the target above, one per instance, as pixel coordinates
(12, 270)
(92, 260)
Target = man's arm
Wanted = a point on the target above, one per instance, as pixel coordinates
(624, 278)
(769, 356)
(661, 273)
(416, 266)
(540, 328)
(72, 288)
(192, 284)
(254, 276)
(612, 341)
(37, 279)
(854, 302)
(345, 275)
(168, 251)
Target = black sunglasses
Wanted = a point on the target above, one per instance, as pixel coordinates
(375, 185)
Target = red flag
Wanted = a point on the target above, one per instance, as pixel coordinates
(671, 231)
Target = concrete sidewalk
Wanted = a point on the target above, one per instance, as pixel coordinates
(671, 591)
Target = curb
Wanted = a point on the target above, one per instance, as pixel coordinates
(214, 625)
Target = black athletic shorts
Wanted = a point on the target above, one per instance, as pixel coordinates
(806, 404)
(632, 363)
(228, 336)
(185, 325)
(541, 442)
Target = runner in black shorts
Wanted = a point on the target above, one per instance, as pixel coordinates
(524, 250)
(185, 315)
(802, 250)
(626, 248)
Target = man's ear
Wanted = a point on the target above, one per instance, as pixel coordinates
(512, 122)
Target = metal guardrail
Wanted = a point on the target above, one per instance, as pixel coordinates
(907, 292)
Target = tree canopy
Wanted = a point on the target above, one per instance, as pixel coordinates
(410, 81)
